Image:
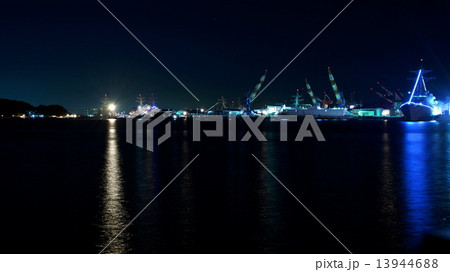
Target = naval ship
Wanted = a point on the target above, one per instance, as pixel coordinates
(421, 104)
(320, 107)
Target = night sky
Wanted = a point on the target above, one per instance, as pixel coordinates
(73, 52)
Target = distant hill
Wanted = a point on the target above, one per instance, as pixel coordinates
(51, 110)
(9, 108)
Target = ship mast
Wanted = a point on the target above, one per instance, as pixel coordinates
(153, 101)
(420, 88)
(140, 99)
(296, 100)
(223, 102)
(105, 101)
(104, 109)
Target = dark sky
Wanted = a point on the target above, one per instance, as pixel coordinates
(72, 52)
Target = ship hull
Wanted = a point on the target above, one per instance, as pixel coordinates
(416, 112)
(318, 113)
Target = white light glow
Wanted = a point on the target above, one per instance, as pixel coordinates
(112, 107)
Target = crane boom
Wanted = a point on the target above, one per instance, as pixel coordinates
(310, 92)
(325, 101)
(257, 88)
(385, 89)
(339, 95)
(253, 94)
(392, 94)
(382, 96)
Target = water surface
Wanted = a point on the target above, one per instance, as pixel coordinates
(70, 186)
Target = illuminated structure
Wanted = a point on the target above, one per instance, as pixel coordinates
(325, 101)
(311, 94)
(222, 103)
(145, 109)
(140, 99)
(382, 96)
(318, 110)
(340, 101)
(393, 95)
(297, 99)
(421, 105)
(253, 94)
(112, 108)
(104, 109)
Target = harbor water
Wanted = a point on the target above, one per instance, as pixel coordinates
(70, 186)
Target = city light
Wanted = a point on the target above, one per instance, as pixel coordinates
(112, 107)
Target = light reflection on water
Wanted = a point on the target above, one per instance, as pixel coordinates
(418, 160)
(113, 214)
(186, 222)
(412, 194)
(389, 204)
(268, 198)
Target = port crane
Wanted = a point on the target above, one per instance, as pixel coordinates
(383, 96)
(325, 101)
(248, 100)
(311, 94)
(394, 95)
(340, 101)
